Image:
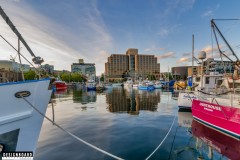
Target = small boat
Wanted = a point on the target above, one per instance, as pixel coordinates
(158, 85)
(91, 85)
(119, 84)
(146, 85)
(135, 85)
(60, 85)
(108, 85)
(180, 85)
(128, 83)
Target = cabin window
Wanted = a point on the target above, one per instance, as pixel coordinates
(236, 85)
(207, 80)
(218, 82)
(197, 79)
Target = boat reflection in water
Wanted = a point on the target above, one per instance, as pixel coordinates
(210, 141)
(132, 101)
(184, 118)
(84, 96)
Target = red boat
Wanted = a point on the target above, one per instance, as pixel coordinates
(60, 85)
(226, 119)
(225, 145)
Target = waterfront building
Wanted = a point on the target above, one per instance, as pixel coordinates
(211, 65)
(48, 68)
(180, 72)
(86, 69)
(132, 65)
(10, 71)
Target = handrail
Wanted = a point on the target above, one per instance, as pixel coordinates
(5, 79)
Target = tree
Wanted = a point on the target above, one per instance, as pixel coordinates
(30, 75)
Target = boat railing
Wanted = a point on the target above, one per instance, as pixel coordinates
(4, 79)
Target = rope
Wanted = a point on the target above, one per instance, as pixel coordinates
(162, 140)
(71, 134)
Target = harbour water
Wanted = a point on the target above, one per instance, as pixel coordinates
(127, 123)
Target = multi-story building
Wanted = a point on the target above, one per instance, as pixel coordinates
(180, 72)
(131, 65)
(210, 65)
(86, 69)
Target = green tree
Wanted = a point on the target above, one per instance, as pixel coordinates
(30, 75)
(102, 78)
(65, 77)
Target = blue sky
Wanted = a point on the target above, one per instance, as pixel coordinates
(62, 31)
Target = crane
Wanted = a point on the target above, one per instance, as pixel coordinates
(36, 60)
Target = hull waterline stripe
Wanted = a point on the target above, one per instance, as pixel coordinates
(218, 128)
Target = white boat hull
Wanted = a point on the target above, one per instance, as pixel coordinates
(18, 116)
(185, 99)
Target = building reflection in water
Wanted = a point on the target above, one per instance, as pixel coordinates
(132, 101)
(83, 96)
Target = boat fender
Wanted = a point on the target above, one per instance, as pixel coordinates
(22, 94)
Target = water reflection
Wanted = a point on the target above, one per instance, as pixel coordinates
(185, 118)
(84, 96)
(132, 101)
(210, 143)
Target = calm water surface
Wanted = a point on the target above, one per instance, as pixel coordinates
(127, 123)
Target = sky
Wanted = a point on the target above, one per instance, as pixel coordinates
(63, 31)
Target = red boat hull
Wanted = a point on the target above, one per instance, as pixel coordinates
(223, 118)
(60, 85)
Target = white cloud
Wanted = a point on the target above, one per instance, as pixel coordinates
(59, 43)
(183, 59)
(153, 49)
(167, 55)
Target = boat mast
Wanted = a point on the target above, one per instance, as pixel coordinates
(192, 53)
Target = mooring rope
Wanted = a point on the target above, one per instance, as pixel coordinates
(71, 134)
(162, 140)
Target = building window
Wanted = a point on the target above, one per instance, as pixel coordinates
(207, 80)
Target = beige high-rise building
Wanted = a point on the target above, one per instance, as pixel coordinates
(131, 65)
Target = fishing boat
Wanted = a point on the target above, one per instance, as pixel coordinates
(208, 84)
(22, 104)
(221, 110)
(91, 85)
(205, 82)
(158, 85)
